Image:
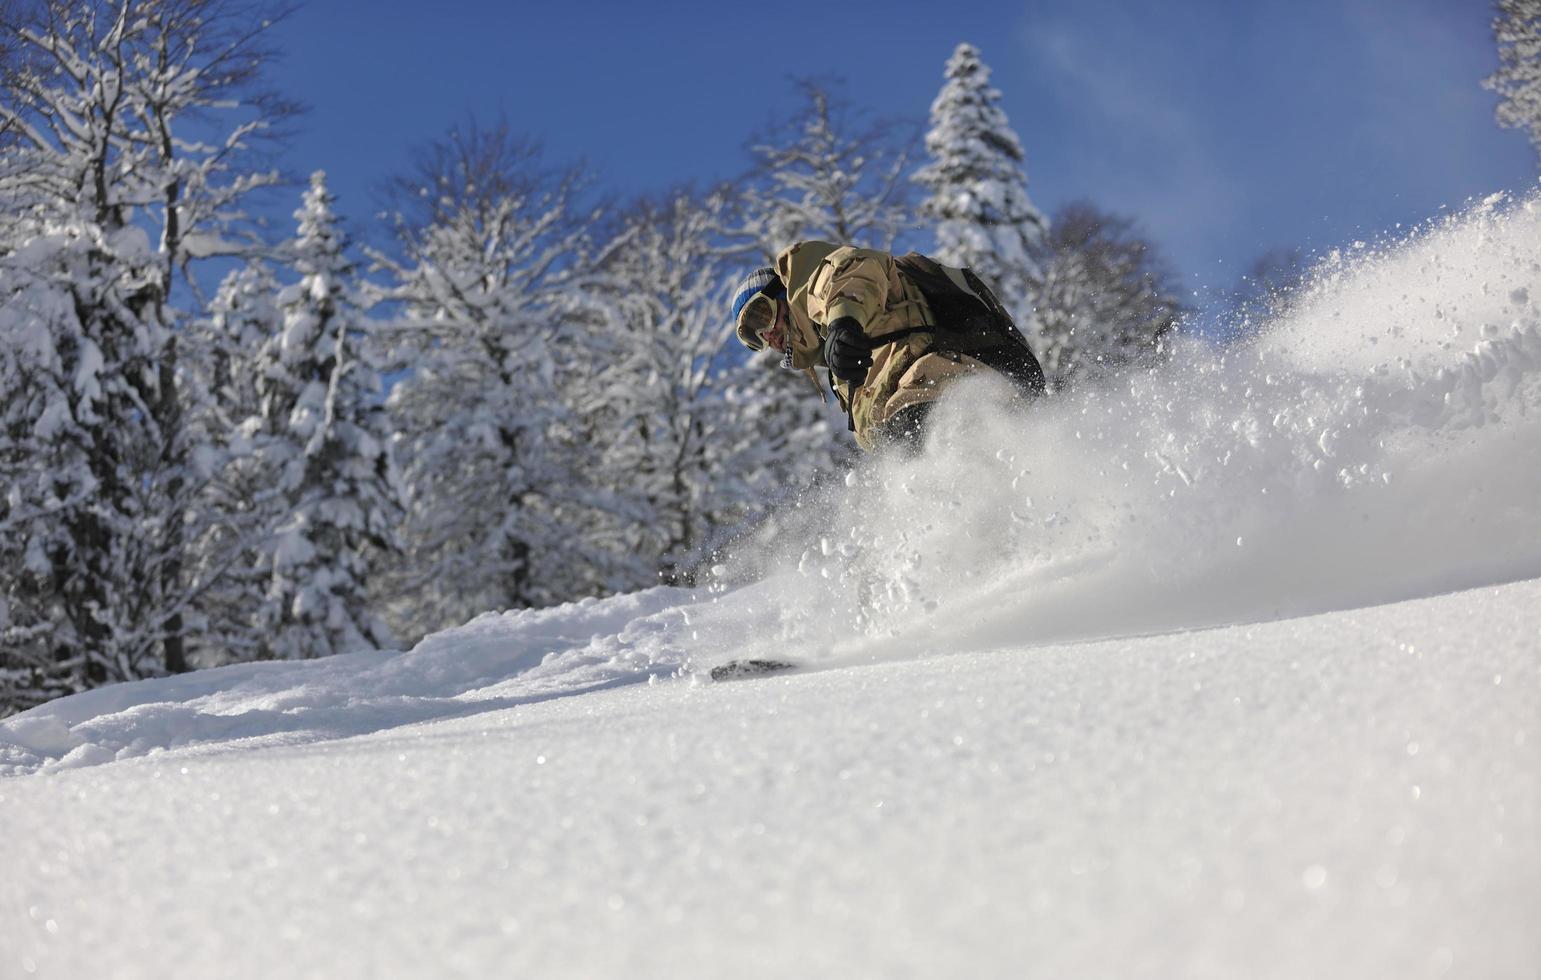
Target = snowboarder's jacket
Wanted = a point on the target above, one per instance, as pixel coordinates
(929, 325)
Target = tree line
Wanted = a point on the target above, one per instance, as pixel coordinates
(518, 398)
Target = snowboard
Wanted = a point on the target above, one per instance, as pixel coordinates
(738, 669)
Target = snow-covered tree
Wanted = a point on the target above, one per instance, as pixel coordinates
(1517, 32)
(977, 187)
(1106, 299)
(687, 428)
(107, 198)
(830, 181)
(489, 410)
(242, 318)
(661, 306)
(240, 502)
(325, 441)
(42, 457)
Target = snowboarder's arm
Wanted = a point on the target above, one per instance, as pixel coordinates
(850, 282)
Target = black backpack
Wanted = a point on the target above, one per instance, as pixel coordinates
(973, 323)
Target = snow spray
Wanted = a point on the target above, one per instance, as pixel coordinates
(1379, 440)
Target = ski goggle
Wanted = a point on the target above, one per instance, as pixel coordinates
(754, 308)
(758, 319)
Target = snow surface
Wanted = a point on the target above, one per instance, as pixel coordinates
(1175, 679)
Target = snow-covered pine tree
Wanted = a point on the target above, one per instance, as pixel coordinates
(46, 477)
(977, 188)
(240, 503)
(1107, 300)
(326, 443)
(829, 182)
(242, 317)
(1517, 32)
(107, 200)
(501, 513)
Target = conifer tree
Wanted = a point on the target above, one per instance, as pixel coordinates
(326, 444)
(242, 317)
(239, 504)
(978, 201)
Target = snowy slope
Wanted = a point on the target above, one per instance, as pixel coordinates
(1168, 680)
(1348, 795)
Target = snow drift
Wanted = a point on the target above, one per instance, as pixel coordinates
(1379, 442)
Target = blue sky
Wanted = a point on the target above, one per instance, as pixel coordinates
(1224, 128)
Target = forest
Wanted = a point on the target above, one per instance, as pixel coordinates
(226, 439)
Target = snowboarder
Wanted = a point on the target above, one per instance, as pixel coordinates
(894, 332)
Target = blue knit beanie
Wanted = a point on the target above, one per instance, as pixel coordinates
(759, 281)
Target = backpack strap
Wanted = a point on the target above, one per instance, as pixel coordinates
(894, 335)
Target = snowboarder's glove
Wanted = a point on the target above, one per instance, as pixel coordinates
(847, 351)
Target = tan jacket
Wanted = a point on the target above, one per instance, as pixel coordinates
(826, 282)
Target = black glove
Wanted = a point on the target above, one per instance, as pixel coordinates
(847, 351)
